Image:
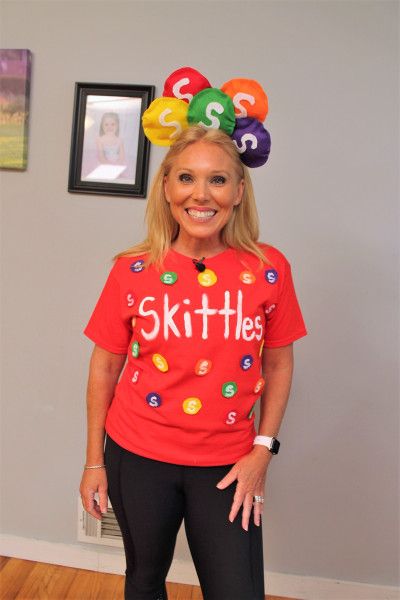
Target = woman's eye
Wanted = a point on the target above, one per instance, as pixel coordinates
(185, 178)
(219, 179)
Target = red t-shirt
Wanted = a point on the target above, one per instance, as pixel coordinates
(194, 344)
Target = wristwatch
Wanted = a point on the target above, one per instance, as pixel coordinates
(269, 442)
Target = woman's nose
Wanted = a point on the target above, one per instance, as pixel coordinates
(200, 191)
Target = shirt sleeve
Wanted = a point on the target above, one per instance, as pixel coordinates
(284, 321)
(107, 327)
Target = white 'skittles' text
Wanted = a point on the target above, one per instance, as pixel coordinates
(235, 324)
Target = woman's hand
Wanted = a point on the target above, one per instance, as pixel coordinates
(250, 472)
(94, 480)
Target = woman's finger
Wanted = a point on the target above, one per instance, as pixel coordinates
(103, 501)
(236, 504)
(89, 503)
(258, 510)
(87, 500)
(229, 478)
(247, 507)
(91, 506)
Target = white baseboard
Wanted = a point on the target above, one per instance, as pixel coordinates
(112, 561)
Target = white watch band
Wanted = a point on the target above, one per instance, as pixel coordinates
(263, 440)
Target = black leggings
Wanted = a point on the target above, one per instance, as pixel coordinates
(150, 500)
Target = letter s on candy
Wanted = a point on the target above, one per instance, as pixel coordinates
(177, 126)
(247, 137)
(176, 89)
(215, 122)
(237, 103)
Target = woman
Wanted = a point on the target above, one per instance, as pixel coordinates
(196, 308)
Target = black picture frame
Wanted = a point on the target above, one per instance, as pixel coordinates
(109, 151)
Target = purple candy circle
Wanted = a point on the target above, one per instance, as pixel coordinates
(252, 141)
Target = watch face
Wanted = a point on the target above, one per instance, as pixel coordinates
(275, 446)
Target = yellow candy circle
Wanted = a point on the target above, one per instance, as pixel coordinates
(191, 406)
(207, 278)
(164, 120)
(160, 362)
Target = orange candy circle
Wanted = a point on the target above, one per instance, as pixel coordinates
(248, 97)
(203, 366)
(247, 277)
(258, 388)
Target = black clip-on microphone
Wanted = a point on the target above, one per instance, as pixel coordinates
(200, 266)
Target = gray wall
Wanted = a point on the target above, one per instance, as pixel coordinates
(327, 199)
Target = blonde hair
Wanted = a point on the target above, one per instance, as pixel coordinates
(241, 231)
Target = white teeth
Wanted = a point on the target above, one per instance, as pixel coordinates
(201, 214)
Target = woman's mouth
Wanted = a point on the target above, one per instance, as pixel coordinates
(200, 215)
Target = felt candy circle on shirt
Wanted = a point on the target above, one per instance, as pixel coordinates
(160, 362)
(153, 399)
(184, 83)
(271, 276)
(203, 366)
(164, 120)
(229, 389)
(252, 141)
(191, 406)
(248, 97)
(207, 278)
(246, 361)
(247, 277)
(259, 385)
(137, 266)
(212, 109)
(169, 277)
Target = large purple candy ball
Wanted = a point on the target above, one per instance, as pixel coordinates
(252, 141)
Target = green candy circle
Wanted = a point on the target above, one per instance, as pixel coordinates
(229, 389)
(213, 109)
(169, 277)
(135, 349)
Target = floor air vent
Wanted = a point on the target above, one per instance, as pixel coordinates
(105, 532)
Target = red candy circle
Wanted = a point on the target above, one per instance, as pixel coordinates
(184, 83)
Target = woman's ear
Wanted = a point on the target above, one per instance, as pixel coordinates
(165, 183)
(239, 193)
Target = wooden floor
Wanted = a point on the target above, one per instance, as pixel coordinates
(28, 580)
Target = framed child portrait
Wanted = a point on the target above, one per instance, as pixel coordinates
(109, 151)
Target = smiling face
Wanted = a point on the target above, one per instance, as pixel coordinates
(202, 189)
(109, 125)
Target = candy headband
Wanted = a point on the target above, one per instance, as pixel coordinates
(238, 108)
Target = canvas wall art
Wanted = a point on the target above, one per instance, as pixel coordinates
(15, 80)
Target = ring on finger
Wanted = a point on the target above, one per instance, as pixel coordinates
(259, 499)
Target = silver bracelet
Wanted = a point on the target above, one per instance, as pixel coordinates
(94, 467)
